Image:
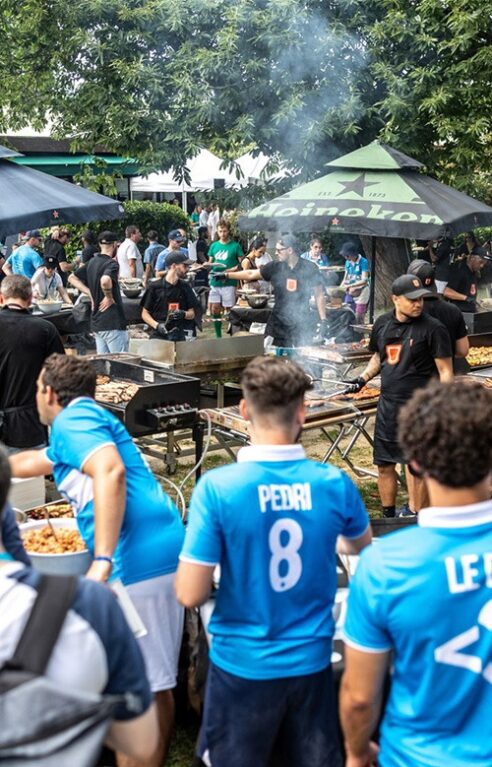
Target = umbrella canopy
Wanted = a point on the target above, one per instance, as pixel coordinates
(375, 191)
(31, 199)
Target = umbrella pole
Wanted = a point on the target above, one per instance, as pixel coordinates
(372, 293)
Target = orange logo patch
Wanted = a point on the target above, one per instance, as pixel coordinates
(291, 285)
(393, 353)
(473, 290)
(173, 307)
(416, 283)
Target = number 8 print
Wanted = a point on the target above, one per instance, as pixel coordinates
(287, 553)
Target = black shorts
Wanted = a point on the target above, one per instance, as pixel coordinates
(387, 451)
(245, 721)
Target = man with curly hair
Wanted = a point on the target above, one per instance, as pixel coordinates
(422, 600)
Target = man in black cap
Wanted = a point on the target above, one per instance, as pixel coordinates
(169, 305)
(445, 312)
(47, 283)
(409, 348)
(294, 281)
(99, 280)
(176, 242)
(462, 287)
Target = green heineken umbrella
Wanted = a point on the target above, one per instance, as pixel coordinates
(375, 191)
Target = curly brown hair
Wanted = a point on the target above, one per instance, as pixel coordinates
(69, 377)
(272, 385)
(445, 429)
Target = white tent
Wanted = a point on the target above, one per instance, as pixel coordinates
(204, 170)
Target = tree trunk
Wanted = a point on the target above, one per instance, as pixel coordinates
(392, 258)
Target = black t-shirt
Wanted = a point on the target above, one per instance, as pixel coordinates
(55, 249)
(442, 262)
(162, 297)
(291, 320)
(463, 280)
(88, 252)
(25, 342)
(407, 351)
(90, 274)
(449, 315)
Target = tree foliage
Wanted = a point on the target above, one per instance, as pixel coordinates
(300, 80)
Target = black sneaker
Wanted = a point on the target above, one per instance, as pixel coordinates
(389, 512)
(405, 511)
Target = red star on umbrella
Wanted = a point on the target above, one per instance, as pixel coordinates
(56, 214)
(335, 221)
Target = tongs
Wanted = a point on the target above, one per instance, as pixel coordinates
(47, 515)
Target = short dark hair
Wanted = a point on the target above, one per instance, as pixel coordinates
(445, 430)
(152, 235)
(202, 230)
(69, 377)
(131, 229)
(289, 241)
(272, 385)
(5, 475)
(258, 242)
(313, 240)
(16, 286)
(88, 236)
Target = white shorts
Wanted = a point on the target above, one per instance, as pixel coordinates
(225, 296)
(162, 616)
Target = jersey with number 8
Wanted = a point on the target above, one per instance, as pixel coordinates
(272, 525)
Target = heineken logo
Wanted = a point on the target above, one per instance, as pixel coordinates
(372, 211)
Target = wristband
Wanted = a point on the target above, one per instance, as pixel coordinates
(104, 559)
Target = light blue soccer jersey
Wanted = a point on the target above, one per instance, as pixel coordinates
(426, 593)
(152, 532)
(355, 269)
(271, 521)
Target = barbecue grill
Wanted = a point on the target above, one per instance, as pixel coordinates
(163, 401)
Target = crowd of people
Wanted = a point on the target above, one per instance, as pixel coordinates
(418, 619)
(262, 534)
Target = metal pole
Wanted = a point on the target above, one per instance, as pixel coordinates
(372, 293)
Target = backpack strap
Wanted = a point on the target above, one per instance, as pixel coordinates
(34, 648)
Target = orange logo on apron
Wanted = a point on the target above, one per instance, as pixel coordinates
(291, 285)
(393, 353)
(473, 290)
(173, 307)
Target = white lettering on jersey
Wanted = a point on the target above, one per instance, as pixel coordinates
(450, 653)
(295, 497)
(285, 540)
(470, 575)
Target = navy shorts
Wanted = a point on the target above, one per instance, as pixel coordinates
(246, 722)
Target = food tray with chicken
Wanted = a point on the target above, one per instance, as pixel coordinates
(115, 392)
(479, 356)
(54, 510)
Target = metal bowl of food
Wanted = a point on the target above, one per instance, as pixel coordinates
(49, 307)
(64, 555)
(257, 300)
(131, 292)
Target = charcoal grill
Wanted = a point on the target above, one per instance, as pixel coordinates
(164, 401)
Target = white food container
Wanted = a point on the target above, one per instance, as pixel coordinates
(72, 563)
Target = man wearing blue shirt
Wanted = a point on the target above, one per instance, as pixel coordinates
(421, 600)
(151, 253)
(355, 280)
(25, 259)
(176, 241)
(271, 522)
(128, 523)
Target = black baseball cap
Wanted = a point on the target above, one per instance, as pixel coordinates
(175, 234)
(423, 270)
(349, 249)
(107, 238)
(178, 258)
(33, 233)
(51, 262)
(410, 286)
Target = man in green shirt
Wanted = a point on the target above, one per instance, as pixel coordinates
(224, 253)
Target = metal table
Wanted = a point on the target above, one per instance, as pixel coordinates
(337, 421)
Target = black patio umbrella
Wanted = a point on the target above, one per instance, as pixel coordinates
(31, 199)
(374, 191)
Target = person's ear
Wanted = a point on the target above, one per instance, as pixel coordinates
(243, 410)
